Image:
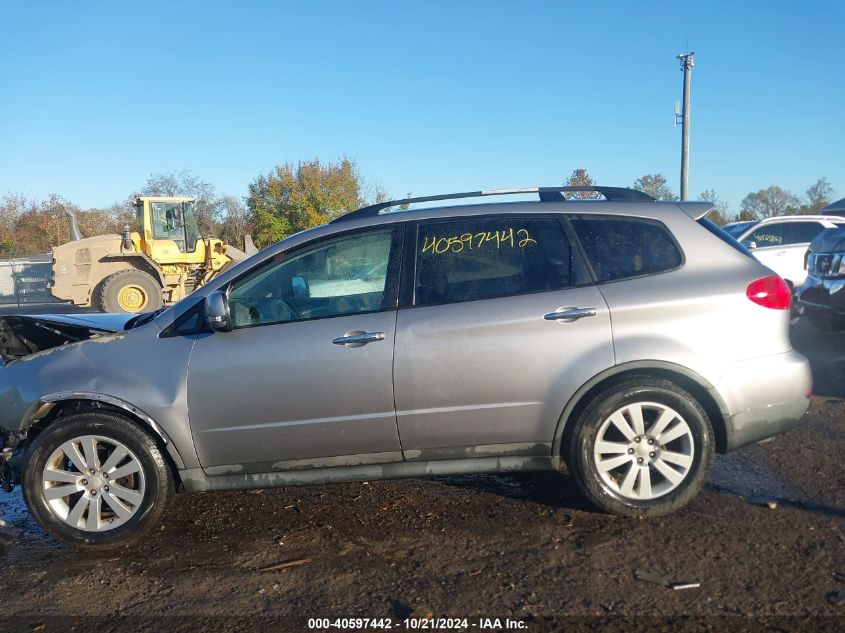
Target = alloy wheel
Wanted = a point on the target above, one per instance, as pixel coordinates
(644, 450)
(93, 483)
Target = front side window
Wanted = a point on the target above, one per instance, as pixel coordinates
(347, 275)
(768, 235)
(465, 260)
(619, 248)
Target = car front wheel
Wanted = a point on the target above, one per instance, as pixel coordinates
(643, 447)
(96, 479)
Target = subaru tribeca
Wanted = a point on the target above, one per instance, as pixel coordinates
(626, 338)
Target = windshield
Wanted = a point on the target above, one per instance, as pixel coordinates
(176, 221)
(738, 228)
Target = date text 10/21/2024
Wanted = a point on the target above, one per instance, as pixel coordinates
(412, 623)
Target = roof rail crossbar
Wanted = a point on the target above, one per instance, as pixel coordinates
(547, 194)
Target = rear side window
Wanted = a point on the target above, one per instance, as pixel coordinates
(723, 235)
(619, 248)
(484, 258)
(802, 232)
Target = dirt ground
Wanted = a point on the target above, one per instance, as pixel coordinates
(765, 539)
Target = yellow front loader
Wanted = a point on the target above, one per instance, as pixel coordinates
(139, 272)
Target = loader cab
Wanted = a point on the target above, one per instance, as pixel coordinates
(169, 229)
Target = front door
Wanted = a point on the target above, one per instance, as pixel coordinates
(504, 327)
(304, 379)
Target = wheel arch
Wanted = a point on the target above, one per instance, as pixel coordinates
(699, 388)
(140, 262)
(52, 408)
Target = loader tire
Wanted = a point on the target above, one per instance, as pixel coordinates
(129, 291)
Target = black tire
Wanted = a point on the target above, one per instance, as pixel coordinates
(159, 485)
(109, 295)
(582, 440)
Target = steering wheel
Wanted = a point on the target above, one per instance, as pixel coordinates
(244, 312)
(281, 310)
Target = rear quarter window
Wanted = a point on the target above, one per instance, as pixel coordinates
(802, 232)
(621, 248)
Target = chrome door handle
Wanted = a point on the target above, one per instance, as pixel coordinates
(358, 338)
(569, 314)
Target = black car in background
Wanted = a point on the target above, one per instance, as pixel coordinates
(822, 296)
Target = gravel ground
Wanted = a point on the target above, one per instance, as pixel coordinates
(765, 539)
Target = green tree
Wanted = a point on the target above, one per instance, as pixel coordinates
(296, 197)
(656, 186)
(580, 178)
(768, 203)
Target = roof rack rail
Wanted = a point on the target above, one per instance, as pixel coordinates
(547, 194)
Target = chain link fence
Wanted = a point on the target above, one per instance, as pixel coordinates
(24, 281)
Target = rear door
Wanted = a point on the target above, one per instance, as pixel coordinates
(781, 247)
(479, 367)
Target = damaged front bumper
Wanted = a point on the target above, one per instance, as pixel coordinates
(22, 337)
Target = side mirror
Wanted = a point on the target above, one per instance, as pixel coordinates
(299, 288)
(749, 244)
(178, 217)
(217, 312)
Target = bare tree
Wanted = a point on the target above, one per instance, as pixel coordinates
(768, 203)
(236, 221)
(184, 183)
(819, 196)
(720, 213)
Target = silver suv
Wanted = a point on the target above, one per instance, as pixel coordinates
(629, 338)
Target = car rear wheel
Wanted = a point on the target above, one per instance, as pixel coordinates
(642, 447)
(96, 479)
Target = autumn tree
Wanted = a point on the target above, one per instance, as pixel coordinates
(768, 203)
(580, 178)
(656, 186)
(42, 226)
(12, 206)
(292, 198)
(720, 213)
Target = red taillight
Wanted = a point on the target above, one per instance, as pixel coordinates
(770, 292)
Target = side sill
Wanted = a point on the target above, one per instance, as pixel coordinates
(195, 480)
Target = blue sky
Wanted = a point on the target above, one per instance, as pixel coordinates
(428, 97)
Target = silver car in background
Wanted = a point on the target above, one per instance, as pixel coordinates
(627, 338)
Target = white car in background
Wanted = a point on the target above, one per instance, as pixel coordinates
(781, 242)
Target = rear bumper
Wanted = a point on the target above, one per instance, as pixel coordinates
(765, 396)
(759, 424)
(823, 295)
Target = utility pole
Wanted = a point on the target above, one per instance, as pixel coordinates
(687, 62)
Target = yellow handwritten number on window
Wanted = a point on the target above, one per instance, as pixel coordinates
(519, 238)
